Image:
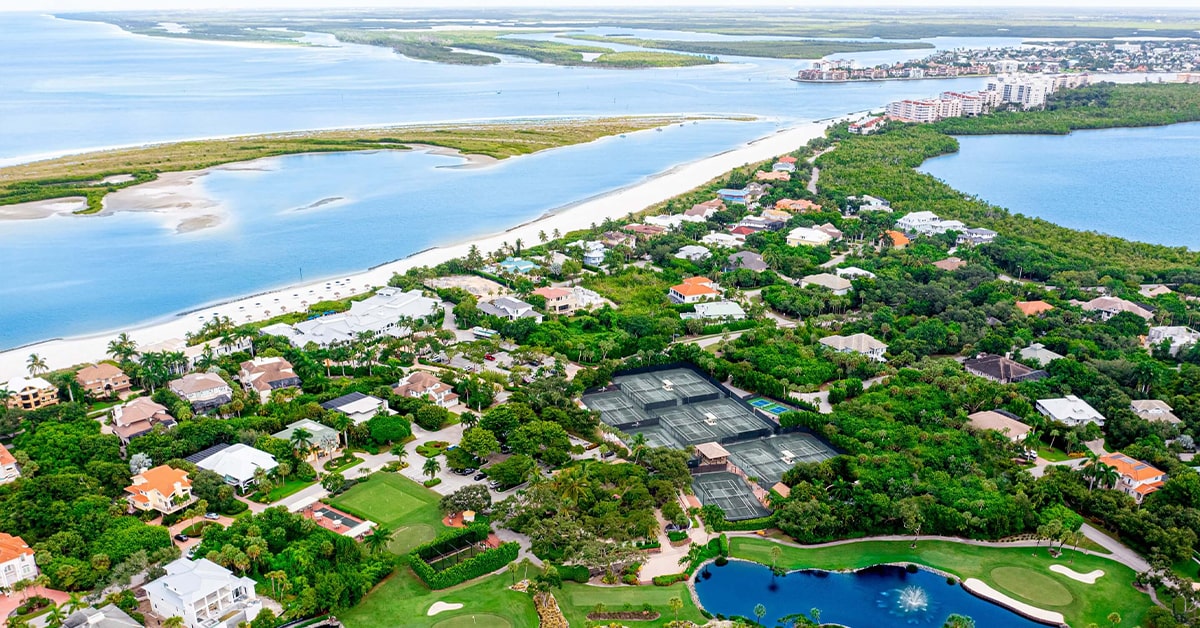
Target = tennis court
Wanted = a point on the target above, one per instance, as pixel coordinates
(769, 458)
(731, 493)
(766, 405)
(616, 409)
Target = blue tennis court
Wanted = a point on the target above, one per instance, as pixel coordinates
(769, 406)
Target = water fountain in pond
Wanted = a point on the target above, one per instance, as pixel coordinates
(910, 604)
(913, 599)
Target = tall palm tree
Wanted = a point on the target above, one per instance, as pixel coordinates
(637, 444)
(173, 622)
(36, 364)
(571, 486)
(342, 423)
(55, 617)
(122, 348)
(759, 611)
(302, 442)
(1107, 475)
(378, 540)
(431, 467)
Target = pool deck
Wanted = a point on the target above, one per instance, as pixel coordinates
(981, 589)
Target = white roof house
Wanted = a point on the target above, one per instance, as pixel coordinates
(807, 236)
(693, 253)
(916, 221)
(1038, 351)
(509, 307)
(838, 285)
(722, 239)
(1154, 410)
(856, 343)
(717, 310)
(359, 407)
(1178, 336)
(1070, 410)
(204, 594)
(854, 272)
(104, 617)
(237, 463)
(1109, 307)
(380, 313)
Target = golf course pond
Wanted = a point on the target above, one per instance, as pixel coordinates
(875, 596)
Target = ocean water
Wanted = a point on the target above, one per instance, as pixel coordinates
(1139, 184)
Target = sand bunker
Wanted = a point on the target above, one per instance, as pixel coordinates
(442, 606)
(1086, 578)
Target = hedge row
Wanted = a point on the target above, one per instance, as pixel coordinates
(577, 573)
(473, 533)
(668, 580)
(478, 565)
(745, 525)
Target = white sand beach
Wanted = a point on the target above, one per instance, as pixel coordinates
(71, 351)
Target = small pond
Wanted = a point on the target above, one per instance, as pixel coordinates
(876, 596)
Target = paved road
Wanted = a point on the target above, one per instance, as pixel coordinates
(1120, 553)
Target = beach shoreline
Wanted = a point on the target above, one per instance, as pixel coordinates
(66, 352)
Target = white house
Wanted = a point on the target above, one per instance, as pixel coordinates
(384, 314)
(359, 407)
(716, 310)
(509, 307)
(693, 253)
(976, 236)
(9, 469)
(694, 290)
(916, 221)
(205, 391)
(722, 239)
(108, 616)
(854, 272)
(807, 236)
(1154, 410)
(1109, 307)
(204, 594)
(1138, 479)
(237, 464)
(1037, 351)
(1070, 410)
(833, 283)
(16, 561)
(864, 344)
(1177, 336)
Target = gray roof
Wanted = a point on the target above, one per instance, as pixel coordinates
(748, 260)
(104, 617)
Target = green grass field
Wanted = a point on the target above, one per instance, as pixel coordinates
(577, 600)
(1021, 572)
(396, 502)
(403, 600)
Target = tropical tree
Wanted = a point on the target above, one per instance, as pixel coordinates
(676, 605)
(378, 540)
(759, 611)
(36, 364)
(431, 467)
(302, 442)
(1114, 618)
(637, 444)
(958, 621)
(55, 616)
(815, 613)
(276, 577)
(1107, 475)
(776, 552)
(122, 348)
(173, 622)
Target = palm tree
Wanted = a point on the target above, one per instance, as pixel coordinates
(55, 617)
(342, 422)
(74, 602)
(637, 444)
(675, 604)
(400, 452)
(173, 622)
(512, 569)
(1114, 618)
(571, 486)
(122, 348)
(36, 364)
(759, 611)
(776, 552)
(378, 540)
(276, 577)
(1054, 434)
(815, 613)
(958, 621)
(302, 442)
(1107, 475)
(431, 467)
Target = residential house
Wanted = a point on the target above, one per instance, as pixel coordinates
(784, 166)
(917, 222)
(763, 223)
(950, 264)
(163, 489)
(138, 417)
(773, 175)
(716, 310)
(103, 380)
(16, 561)
(203, 594)
(942, 226)
(748, 260)
(205, 391)
(868, 125)
(734, 197)
(797, 206)
(807, 236)
(1001, 421)
(693, 253)
(1039, 353)
(693, 290)
(976, 236)
(192, 354)
(510, 308)
(706, 209)
(237, 464)
(645, 231)
(593, 252)
(1177, 337)
(386, 313)
(741, 231)
(1152, 290)
(1109, 307)
(670, 221)
(9, 469)
(775, 214)
(1154, 410)
(1138, 479)
(560, 300)
(108, 616)
(359, 407)
(726, 240)
(263, 375)
(857, 343)
(517, 266)
(427, 385)
(323, 440)
(1069, 410)
(31, 393)
(833, 283)
(853, 272)
(831, 230)
(586, 299)
(613, 239)
(1034, 308)
(868, 203)
(1001, 369)
(787, 159)
(898, 240)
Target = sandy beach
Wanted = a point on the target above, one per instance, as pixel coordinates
(67, 352)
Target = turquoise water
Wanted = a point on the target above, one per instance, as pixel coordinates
(871, 598)
(1139, 184)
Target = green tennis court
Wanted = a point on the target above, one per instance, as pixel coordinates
(767, 405)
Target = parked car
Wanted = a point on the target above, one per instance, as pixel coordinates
(490, 358)
(464, 471)
(182, 537)
(505, 449)
(211, 516)
(191, 553)
(479, 476)
(608, 454)
(495, 486)
(671, 527)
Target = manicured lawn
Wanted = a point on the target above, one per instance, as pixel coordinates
(403, 600)
(1021, 572)
(289, 487)
(577, 600)
(337, 465)
(396, 502)
(1053, 455)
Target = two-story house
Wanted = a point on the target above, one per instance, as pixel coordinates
(510, 308)
(138, 417)
(263, 375)
(694, 290)
(9, 469)
(31, 393)
(359, 407)
(205, 391)
(322, 440)
(103, 380)
(426, 384)
(16, 561)
(204, 594)
(864, 344)
(559, 301)
(1138, 479)
(163, 489)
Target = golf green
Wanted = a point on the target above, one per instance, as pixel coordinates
(472, 621)
(1038, 588)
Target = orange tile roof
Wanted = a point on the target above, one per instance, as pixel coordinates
(695, 286)
(1033, 308)
(787, 159)
(6, 458)
(12, 547)
(552, 293)
(1135, 470)
(898, 239)
(161, 478)
(1146, 489)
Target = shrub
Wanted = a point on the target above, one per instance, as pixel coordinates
(670, 579)
(760, 523)
(721, 561)
(677, 535)
(432, 483)
(629, 579)
(723, 545)
(911, 568)
(478, 565)
(576, 573)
